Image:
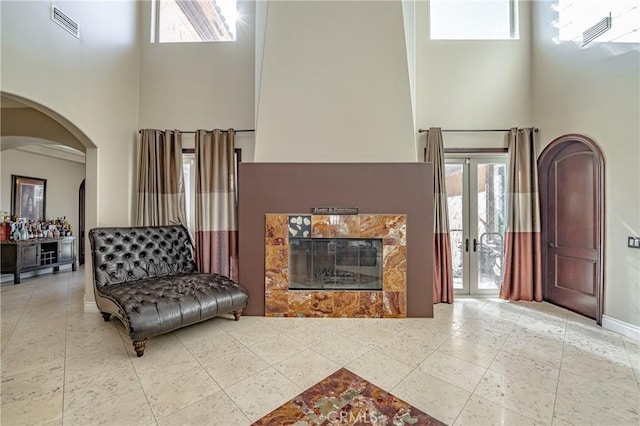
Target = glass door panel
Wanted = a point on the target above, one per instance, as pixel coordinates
(491, 222)
(476, 198)
(455, 182)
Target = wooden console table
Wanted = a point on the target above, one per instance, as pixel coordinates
(35, 254)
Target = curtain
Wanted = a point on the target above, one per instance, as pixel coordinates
(216, 232)
(443, 274)
(160, 179)
(523, 262)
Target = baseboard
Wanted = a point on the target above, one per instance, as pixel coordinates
(629, 330)
(90, 307)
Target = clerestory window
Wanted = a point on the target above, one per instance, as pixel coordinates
(184, 21)
(473, 19)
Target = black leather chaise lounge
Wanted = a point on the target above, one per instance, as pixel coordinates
(145, 276)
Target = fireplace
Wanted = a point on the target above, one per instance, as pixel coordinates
(335, 264)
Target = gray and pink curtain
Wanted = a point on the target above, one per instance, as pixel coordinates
(523, 254)
(216, 230)
(160, 179)
(443, 273)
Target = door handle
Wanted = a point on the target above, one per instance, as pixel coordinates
(466, 245)
(550, 244)
(475, 245)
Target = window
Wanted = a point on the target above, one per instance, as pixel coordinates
(179, 21)
(577, 16)
(474, 19)
(188, 169)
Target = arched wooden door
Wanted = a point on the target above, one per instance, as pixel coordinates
(571, 175)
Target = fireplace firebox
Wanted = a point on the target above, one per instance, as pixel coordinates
(335, 264)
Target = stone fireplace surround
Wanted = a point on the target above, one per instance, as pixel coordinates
(390, 302)
(380, 188)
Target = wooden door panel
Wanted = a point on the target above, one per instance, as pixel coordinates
(575, 275)
(571, 226)
(573, 185)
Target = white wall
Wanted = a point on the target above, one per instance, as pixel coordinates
(91, 82)
(189, 86)
(596, 92)
(335, 84)
(63, 182)
(473, 84)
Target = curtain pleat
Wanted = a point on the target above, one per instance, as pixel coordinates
(216, 232)
(523, 253)
(443, 273)
(161, 199)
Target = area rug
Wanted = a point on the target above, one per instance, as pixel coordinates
(345, 398)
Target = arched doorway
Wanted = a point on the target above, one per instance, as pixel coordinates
(49, 123)
(571, 176)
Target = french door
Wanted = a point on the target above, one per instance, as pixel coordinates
(477, 201)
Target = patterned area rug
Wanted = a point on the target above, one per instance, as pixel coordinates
(344, 398)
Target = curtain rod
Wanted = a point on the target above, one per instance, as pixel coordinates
(210, 131)
(472, 131)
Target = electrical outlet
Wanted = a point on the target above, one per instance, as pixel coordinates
(633, 242)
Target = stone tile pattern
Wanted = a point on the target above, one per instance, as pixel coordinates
(478, 361)
(348, 399)
(391, 302)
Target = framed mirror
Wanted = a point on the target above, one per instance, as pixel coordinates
(28, 197)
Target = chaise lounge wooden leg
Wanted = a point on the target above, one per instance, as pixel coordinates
(139, 346)
(106, 316)
(236, 314)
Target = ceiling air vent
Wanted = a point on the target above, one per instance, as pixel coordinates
(596, 30)
(64, 21)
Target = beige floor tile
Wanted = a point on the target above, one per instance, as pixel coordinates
(340, 349)
(215, 409)
(277, 349)
(460, 373)
(517, 367)
(599, 393)
(306, 368)
(251, 335)
(475, 353)
(406, 350)
(367, 334)
(262, 393)
(164, 355)
(87, 392)
(528, 400)
(493, 339)
(435, 397)
(168, 393)
(379, 369)
(590, 365)
(120, 409)
(573, 413)
(482, 412)
(208, 351)
(32, 384)
(234, 367)
(44, 408)
(311, 335)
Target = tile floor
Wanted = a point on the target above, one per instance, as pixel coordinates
(477, 362)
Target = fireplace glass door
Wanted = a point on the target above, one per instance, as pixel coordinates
(335, 264)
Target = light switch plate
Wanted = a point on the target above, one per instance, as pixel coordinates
(633, 242)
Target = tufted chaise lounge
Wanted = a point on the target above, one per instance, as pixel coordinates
(145, 276)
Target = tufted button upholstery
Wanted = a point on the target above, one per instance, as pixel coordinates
(158, 305)
(146, 277)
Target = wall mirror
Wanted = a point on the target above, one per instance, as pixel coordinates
(28, 197)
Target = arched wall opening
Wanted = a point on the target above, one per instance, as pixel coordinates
(68, 134)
